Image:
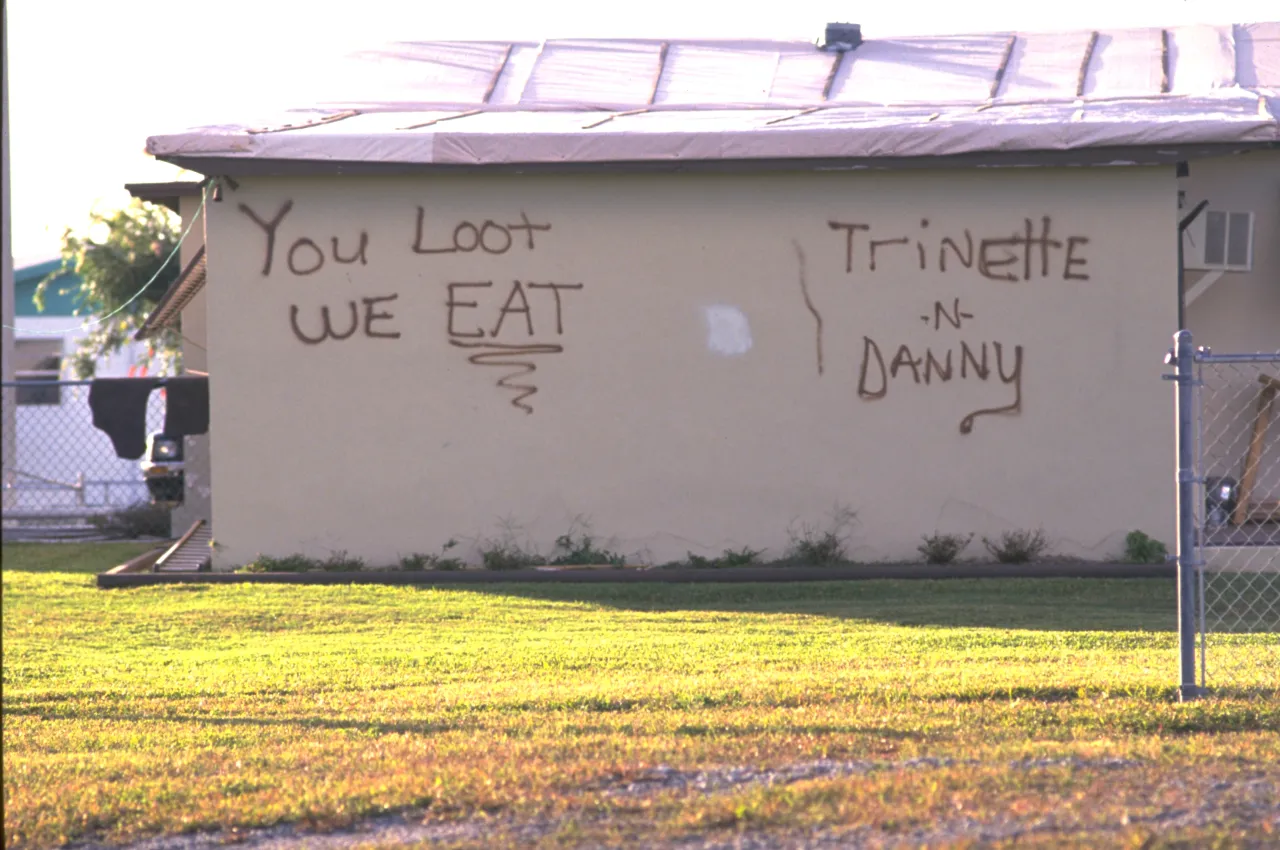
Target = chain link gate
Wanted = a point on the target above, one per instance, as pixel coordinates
(1228, 439)
(61, 475)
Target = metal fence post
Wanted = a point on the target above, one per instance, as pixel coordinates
(1184, 379)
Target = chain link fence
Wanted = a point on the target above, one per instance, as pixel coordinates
(1233, 543)
(61, 476)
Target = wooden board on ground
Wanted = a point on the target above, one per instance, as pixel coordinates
(1249, 476)
(190, 553)
(141, 564)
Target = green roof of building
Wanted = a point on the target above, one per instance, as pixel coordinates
(61, 296)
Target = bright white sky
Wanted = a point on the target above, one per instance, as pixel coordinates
(90, 80)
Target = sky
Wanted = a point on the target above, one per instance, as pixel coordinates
(89, 81)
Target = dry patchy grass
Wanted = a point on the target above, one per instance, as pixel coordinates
(959, 713)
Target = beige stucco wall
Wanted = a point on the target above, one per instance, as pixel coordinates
(1240, 313)
(198, 499)
(688, 409)
(194, 344)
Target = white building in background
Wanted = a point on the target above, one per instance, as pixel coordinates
(54, 333)
(61, 463)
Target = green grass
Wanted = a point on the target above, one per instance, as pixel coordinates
(184, 707)
(69, 557)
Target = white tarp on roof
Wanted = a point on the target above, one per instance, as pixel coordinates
(1258, 55)
(943, 69)
(1046, 66)
(613, 101)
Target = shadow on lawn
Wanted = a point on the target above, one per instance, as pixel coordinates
(1072, 605)
(434, 727)
(1211, 716)
(369, 727)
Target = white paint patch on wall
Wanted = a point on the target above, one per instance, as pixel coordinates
(728, 331)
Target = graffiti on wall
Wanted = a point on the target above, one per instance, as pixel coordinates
(995, 258)
(513, 353)
(808, 302)
(509, 325)
(498, 323)
(1032, 252)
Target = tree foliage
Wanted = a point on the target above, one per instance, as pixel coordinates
(115, 257)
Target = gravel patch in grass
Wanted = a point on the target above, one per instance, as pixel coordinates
(1235, 813)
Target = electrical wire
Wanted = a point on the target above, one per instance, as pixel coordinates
(100, 319)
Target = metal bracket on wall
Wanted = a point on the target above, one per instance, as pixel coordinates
(1202, 285)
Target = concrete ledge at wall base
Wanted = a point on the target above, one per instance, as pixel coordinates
(683, 575)
(140, 564)
(1242, 559)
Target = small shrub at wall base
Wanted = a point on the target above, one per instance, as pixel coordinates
(822, 546)
(338, 562)
(943, 548)
(416, 562)
(422, 561)
(744, 557)
(1141, 549)
(821, 550)
(1017, 547)
(506, 555)
(287, 564)
(581, 551)
(341, 562)
(138, 520)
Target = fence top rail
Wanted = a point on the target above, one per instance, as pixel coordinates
(25, 384)
(67, 382)
(1260, 357)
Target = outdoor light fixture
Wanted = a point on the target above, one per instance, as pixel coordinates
(165, 448)
(163, 470)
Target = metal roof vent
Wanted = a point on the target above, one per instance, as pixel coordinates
(842, 37)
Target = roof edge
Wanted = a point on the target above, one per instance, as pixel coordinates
(177, 296)
(168, 194)
(1108, 156)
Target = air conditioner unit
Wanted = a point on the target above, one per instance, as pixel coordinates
(1219, 240)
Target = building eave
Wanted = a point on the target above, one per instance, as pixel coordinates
(166, 194)
(1114, 156)
(177, 296)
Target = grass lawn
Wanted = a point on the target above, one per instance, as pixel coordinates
(959, 713)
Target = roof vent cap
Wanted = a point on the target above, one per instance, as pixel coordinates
(842, 37)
